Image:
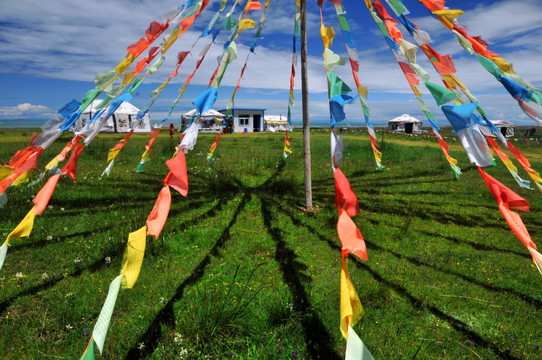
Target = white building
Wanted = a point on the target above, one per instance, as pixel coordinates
(274, 123)
(119, 122)
(246, 120)
(405, 124)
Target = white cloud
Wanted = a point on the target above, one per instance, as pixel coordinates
(26, 111)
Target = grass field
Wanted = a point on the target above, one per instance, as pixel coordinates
(241, 271)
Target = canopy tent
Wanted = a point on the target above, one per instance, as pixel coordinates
(405, 124)
(505, 127)
(274, 123)
(120, 122)
(211, 120)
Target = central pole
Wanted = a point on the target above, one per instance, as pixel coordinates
(305, 106)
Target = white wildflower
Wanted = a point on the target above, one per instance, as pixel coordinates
(44, 276)
(49, 237)
(107, 260)
(69, 327)
(178, 339)
(141, 346)
(77, 261)
(19, 275)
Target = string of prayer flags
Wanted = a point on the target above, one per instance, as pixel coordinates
(535, 176)
(528, 97)
(91, 130)
(405, 54)
(507, 199)
(291, 97)
(335, 60)
(509, 165)
(346, 200)
(474, 143)
(445, 68)
(145, 156)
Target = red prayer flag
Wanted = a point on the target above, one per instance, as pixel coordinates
(345, 197)
(71, 166)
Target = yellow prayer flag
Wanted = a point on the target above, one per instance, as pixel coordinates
(503, 65)
(22, 179)
(447, 16)
(369, 4)
(133, 257)
(351, 309)
(112, 154)
(246, 24)
(5, 172)
(416, 91)
(171, 39)
(128, 77)
(124, 64)
(24, 228)
(145, 156)
(52, 163)
(363, 91)
(327, 34)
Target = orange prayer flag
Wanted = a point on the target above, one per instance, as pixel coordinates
(350, 236)
(71, 166)
(345, 197)
(158, 216)
(178, 176)
(44, 195)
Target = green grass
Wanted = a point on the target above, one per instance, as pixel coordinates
(241, 271)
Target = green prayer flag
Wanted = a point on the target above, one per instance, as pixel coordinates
(115, 91)
(102, 324)
(397, 6)
(536, 96)
(89, 353)
(489, 66)
(229, 23)
(89, 97)
(336, 85)
(104, 102)
(102, 80)
(440, 93)
(154, 67)
(344, 23)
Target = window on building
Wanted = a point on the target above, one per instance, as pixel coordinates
(243, 119)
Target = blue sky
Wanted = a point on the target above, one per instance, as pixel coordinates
(51, 52)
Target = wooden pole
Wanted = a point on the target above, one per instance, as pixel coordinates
(305, 106)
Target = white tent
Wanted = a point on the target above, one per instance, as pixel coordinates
(505, 127)
(275, 123)
(405, 124)
(119, 122)
(211, 121)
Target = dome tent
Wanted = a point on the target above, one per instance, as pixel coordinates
(405, 124)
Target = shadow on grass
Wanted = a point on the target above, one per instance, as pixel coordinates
(316, 335)
(33, 290)
(166, 316)
(416, 303)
